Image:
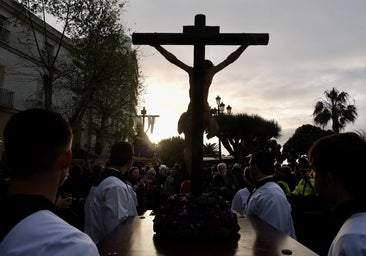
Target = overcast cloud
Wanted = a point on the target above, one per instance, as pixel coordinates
(313, 46)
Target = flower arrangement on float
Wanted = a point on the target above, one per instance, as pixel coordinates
(189, 217)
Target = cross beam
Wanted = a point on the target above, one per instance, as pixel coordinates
(199, 36)
(192, 38)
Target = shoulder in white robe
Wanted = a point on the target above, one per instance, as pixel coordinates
(44, 233)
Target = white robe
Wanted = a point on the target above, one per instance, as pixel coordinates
(351, 238)
(107, 205)
(240, 200)
(269, 203)
(44, 233)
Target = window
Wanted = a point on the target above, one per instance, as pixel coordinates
(4, 33)
(2, 75)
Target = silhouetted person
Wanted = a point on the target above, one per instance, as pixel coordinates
(38, 155)
(240, 199)
(238, 172)
(339, 165)
(76, 189)
(224, 183)
(110, 200)
(142, 145)
(138, 185)
(267, 200)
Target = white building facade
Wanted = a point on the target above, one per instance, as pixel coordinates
(24, 41)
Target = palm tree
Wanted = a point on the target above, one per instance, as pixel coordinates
(210, 149)
(335, 108)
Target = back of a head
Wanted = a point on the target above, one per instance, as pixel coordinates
(221, 166)
(283, 171)
(236, 167)
(121, 153)
(343, 155)
(33, 140)
(222, 169)
(247, 178)
(264, 160)
(176, 167)
(151, 172)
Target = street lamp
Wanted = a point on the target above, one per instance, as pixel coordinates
(228, 109)
(218, 101)
(220, 110)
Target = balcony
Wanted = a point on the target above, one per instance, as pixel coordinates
(6, 98)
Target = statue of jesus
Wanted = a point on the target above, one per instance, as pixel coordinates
(209, 70)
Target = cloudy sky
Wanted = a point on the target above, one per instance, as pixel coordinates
(313, 46)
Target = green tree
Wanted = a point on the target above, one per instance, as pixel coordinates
(171, 151)
(335, 107)
(106, 78)
(299, 143)
(244, 134)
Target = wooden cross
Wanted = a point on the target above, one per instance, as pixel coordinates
(199, 36)
(143, 115)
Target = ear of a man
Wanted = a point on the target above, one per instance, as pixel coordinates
(65, 159)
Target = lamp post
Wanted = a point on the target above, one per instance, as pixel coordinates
(228, 109)
(220, 110)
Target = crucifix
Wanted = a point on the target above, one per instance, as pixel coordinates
(151, 123)
(198, 118)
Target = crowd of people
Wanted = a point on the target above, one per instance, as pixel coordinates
(54, 206)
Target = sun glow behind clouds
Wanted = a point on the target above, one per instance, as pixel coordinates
(313, 47)
(169, 103)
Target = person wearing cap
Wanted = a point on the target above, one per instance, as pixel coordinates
(305, 187)
(339, 165)
(268, 201)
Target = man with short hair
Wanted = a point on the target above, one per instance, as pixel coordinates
(267, 200)
(38, 155)
(110, 200)
(339, 165)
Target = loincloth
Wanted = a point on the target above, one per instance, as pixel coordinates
(210, 125)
